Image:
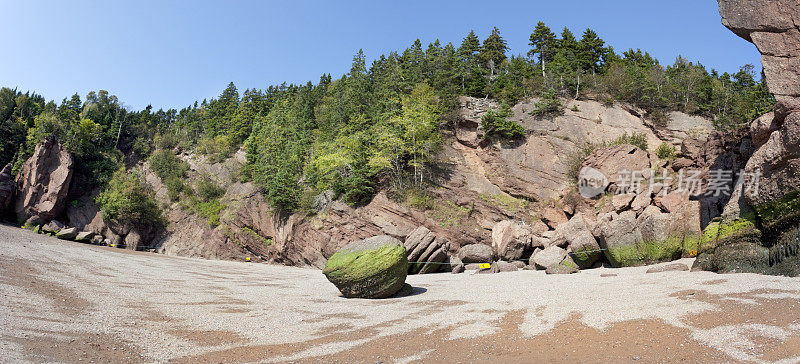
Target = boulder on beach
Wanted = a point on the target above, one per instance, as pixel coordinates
(475, 253)
(67, 233)
(375, 267)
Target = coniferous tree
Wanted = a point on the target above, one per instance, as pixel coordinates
(591, 51)
(493, 51)
(468, 54)
(544, 43)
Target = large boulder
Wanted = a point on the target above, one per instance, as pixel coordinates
(778, 164)
(375, 267)
(618, 235)
(510, 239)
(43, 182)
(662, 239)
(577, 235)
(566, 266)
(475, 253)
(52, 227)
(548, 257)
(7, 188)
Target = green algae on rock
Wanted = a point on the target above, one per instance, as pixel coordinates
(375, 267)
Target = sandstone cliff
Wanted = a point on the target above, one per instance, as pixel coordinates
(759, 231)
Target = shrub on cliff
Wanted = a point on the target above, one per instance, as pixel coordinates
(665, 151)
(494, 122)
(126, 199)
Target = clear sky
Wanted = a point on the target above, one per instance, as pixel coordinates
(170, 53)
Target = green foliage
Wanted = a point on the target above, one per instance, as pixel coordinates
(665, 151)
(276, 153)
(165, 164)
(126, 199)
(217, 148)
(495, 123)
(206, 189)
(210, 210)
(548, 104)
(176, 186)
(637, 139)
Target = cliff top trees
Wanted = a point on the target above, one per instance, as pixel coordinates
(494, 49)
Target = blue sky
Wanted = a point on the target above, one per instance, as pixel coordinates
(170, 53)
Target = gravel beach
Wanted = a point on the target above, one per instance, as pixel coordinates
(69, 302)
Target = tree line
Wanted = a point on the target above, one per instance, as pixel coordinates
(378, 125)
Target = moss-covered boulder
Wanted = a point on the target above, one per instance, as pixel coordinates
(732, 246)
(371, 268)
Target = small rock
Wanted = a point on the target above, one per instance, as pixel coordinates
(561, 269)
(84, 236)
(67, 233)
(668, 267)
(498, 267)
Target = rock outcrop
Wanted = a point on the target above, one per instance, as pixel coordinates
(760, 230)
(510, 240)
(371, 268)
(425, 249)
(7, 189)
(43, 182)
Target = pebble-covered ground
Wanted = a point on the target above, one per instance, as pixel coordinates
(68, 302)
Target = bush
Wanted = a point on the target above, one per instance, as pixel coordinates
(576, 158)
(495, 124)
(166, 141)
(665, 151)
(165, 165)
(637, 139)
(207, 190)
(549, 104)
(127, 199)
(210, 210)
(175, 186)
(217, 148)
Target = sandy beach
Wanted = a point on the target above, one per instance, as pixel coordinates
(69, 302)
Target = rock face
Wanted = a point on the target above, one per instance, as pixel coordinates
(759, 231)
(510, 240)
(615, 159)
(44, 181)
(774, 27)
(371, 268)
(424, 247)
(475, 253)
(7, 188)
